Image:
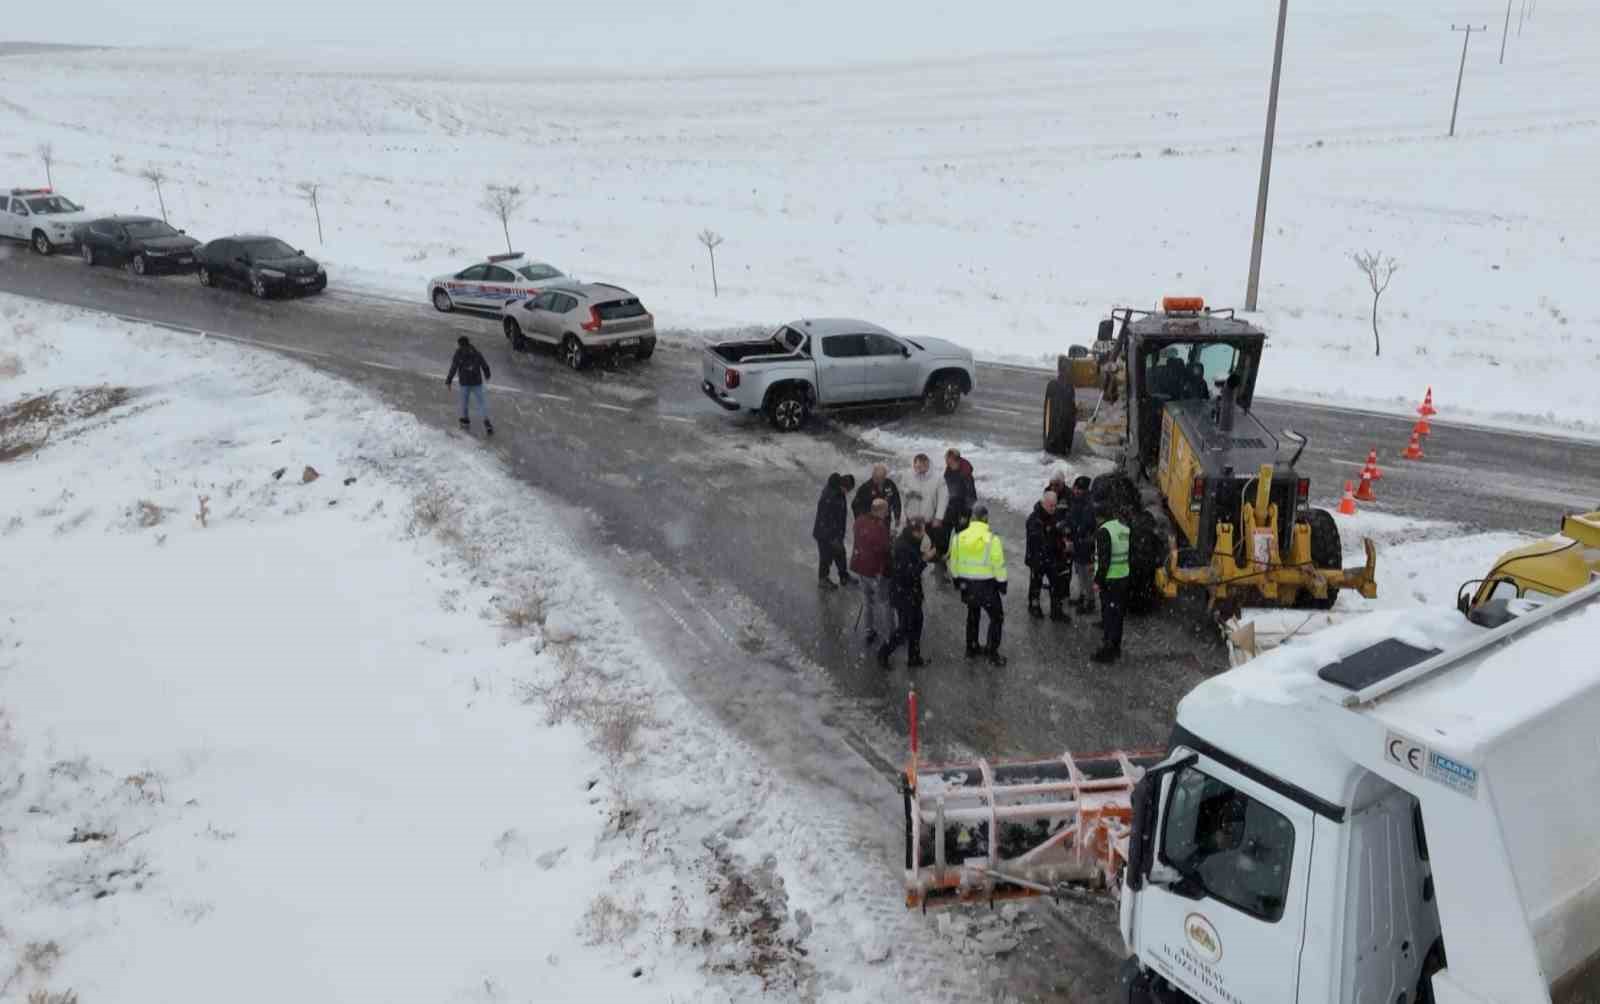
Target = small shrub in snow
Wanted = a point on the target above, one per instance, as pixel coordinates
(46, 997)
(503, 202)
(608, 922)
(712, 240)
(47, 154)
(431, 508)
(147, 514)
(1379, 270)
(523, 610)
(308, 190)
(156, 176)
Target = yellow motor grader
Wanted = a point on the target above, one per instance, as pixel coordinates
(1210, 493)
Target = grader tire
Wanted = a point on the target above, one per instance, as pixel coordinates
(1147, 549)
(1060, 418)
(1326, 554)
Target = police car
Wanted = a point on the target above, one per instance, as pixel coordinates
(494, 282)
(41, 217)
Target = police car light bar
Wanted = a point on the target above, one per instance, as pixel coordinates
(32, 191)
(505, 257)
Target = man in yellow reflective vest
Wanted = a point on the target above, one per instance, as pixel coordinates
(977, 563)
(1111, 582)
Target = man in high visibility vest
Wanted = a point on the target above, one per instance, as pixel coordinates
(1111, 582)
(977, 563)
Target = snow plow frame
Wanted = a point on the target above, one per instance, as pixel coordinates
(1037, 825)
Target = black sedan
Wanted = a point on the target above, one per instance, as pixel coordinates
(264, 265)
(143, 244)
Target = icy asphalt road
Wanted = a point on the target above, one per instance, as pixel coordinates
(713, 512)
(710, 516)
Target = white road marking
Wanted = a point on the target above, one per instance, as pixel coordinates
(608, 407)
(676, 418)
(998, 411)
(382, 366)
(551, 397)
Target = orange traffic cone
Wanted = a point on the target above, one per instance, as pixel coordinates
(1372, 465)
(1413, 450)
(1422, 428)
(1347, 505)
(1426, 407)
(1364, 490)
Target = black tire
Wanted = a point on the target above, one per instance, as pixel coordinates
(139, 265)
(572, 353)
(41, 244)
(86, 251)
(259, 288)
(645, 351)
(1326, 553)
(204, 274)
(786, 410)
(514, 335)
(442, 302)
(1060, 419)
(943, 395)
(1147, 550)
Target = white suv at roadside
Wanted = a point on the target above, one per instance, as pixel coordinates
(45, 220)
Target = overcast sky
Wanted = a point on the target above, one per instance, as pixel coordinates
(630, 32)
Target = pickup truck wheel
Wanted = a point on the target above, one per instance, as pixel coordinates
(787, 411)
(258, 286)
(87, 251)
(944, 395)
(204, 275)
(41, 243)
(572, 353)
(441, 302)
(514, 335)
(137, 265)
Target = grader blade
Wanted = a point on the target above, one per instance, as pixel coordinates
(982, 831)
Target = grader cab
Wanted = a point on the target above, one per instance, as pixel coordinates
(1211, 494)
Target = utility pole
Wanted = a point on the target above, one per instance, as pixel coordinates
(1469, 29)
(1253, 285)
(1504, 32)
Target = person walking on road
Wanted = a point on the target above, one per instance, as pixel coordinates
(878, 486)
(833, 516)
(1080, 529)
(1047, 557)
(469, 364)
(1111, 580)
(905, 594)
(870, 562)
(977, 563)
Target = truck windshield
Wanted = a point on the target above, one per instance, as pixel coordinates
(1234, 847)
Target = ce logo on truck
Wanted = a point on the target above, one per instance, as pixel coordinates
(1406, 752)
(1203, 938)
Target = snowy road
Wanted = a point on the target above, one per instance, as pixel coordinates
(713, 512)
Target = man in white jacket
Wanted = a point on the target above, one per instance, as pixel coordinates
(922, 494)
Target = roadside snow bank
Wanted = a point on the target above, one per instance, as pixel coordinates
(287, 676)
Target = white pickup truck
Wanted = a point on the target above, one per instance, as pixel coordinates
(825, 363)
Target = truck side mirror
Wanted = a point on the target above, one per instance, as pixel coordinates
(1107, 326)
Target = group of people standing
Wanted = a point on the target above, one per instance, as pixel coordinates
(937, 519)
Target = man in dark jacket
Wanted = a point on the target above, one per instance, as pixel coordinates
(1080, 529)
(870, 561)
(473, 369)
(961, 494)
(833, 513)
(878, 486)
(1062, 400)
(905, 595)
(1047, 558)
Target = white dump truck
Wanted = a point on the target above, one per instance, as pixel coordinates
(1402, 808)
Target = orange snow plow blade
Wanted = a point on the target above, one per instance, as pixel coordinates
(984, 831)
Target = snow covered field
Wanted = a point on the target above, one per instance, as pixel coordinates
(377, 735)
(998, 187)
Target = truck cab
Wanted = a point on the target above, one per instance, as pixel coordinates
(1396, 810)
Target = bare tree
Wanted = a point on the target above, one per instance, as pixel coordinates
(156, 176)
(711, 239)
(1379, 270)
(47, 153)
(309, 190)
(502, 202)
